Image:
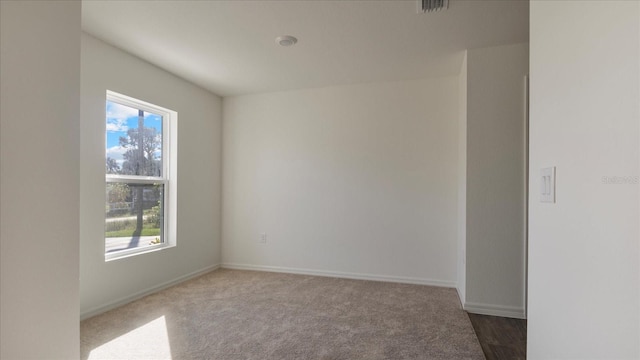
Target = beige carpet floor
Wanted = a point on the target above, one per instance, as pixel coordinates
(233, 314)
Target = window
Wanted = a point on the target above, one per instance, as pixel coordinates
(140, 168)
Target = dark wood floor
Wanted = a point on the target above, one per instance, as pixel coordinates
(501, 338)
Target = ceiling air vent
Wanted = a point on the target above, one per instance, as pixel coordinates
(432, 5)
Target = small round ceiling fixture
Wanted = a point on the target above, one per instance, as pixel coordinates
(286, 40)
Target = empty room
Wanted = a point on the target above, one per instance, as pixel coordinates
(437, 179)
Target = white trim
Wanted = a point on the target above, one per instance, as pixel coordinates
(527, 141)
(140, 294)
(123, 254)
(495, 310)
(460, 299)
(134, 179)
(136, 103)
(339, 274)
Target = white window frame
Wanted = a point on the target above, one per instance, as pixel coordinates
(169, 171)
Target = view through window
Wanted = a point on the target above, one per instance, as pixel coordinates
(137, 181)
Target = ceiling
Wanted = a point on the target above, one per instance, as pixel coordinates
(229, 48)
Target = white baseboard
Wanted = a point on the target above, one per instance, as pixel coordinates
(460, 297)
(338, 274)
(495, 310)
(140, 294)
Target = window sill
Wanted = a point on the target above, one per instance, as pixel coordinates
(118, 255)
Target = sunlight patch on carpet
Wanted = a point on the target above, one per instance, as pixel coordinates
(149, 341)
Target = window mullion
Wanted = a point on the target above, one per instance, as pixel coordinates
(135, 180)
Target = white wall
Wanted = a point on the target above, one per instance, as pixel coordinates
(584, 298)
(354, 181)
(496, 180)
(104, 284)
(462, 181)
(39, 174)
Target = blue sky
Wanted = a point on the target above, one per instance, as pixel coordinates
(120, 118)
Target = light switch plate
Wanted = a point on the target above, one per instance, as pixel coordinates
(548, 185)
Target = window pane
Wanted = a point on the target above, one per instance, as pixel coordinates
(134, 216)
(134, 141)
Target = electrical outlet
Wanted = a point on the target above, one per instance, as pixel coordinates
(548, 185)
(263, 238)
